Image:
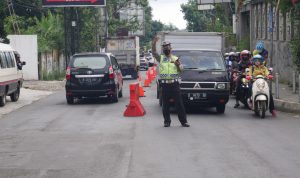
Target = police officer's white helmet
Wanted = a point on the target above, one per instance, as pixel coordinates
(166, 43)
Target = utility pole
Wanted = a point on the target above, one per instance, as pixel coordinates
(271, 30)
(13, 14)
(271, 16)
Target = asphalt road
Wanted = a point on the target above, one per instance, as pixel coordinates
(92, 139)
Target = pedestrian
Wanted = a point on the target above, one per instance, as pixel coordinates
(169, 71)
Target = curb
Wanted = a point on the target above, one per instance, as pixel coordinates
(285, 106)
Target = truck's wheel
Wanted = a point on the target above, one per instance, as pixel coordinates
(3, 100)
(221, 108)
(15, 96)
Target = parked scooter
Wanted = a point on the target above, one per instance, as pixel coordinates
(260, 96)
(243, 93)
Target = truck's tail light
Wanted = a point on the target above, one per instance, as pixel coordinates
(111, 72)
(68, 73)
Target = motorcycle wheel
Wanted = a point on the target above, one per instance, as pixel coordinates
(262, 113)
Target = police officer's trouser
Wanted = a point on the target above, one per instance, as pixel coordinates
(172, 91)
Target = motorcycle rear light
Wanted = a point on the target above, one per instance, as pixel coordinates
(111, 72)
(68, 73)
(69, 93)
(221, 101)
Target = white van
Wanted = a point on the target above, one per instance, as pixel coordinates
(11, 77)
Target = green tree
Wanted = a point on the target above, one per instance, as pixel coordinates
(3, 33)
(196, 20)
(50, 32)
(217, 20)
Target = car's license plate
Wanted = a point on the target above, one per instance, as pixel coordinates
(197, 96)
(89, 80)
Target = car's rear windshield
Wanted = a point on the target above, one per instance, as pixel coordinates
(92, 62)
(202, 60)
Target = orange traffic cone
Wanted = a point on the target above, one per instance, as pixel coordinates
(141, 91)
(146, 83)
(134, 108)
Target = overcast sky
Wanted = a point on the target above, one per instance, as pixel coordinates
(168, 11)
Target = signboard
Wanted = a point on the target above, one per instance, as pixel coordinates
(212, 1)
(205, 7)
(73, 3)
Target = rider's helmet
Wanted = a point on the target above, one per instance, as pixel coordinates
(245, 55)
(231, 56)
(226, 54)
(260, 46)
(259, 58)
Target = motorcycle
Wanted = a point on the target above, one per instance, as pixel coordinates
(260, 96)
(233, 80)
(244, 90)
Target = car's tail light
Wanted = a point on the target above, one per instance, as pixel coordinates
(111, 72)
(68, 73)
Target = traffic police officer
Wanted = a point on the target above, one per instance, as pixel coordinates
(169, 70)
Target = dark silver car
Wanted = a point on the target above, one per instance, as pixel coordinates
(93, 75)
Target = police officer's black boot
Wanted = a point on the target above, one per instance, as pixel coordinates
(185, 125)
(167, 124)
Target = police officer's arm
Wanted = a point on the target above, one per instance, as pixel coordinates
(154, 52)
(178, 65)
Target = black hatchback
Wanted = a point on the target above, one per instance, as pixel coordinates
(93, 75)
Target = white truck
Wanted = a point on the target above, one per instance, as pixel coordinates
(126, 51)
(192, 40)
(204, 80)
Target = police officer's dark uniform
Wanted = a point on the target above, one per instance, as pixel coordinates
(169, 70)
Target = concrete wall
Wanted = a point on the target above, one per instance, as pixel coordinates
(51, 62)
(26, 45)
(282, 34)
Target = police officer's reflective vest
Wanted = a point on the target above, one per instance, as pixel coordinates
(167, 69)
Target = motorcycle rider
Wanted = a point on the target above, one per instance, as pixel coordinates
(260, 49)
(232, 68)
(229, 60)
(244, 63)
(258, 68)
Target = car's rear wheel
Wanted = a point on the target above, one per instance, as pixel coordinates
(15, 96)
(221, 108)
(121, 93)
(115, 96)
(134, 75)
(70, 99)
(3, 100)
